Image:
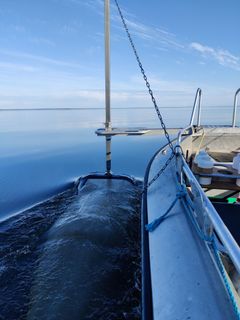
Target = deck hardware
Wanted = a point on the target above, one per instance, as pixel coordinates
(235, 108)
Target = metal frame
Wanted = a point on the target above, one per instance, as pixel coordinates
(108, 126)
(197, 106)
(104, 176)
(235, 108)
(107, 66)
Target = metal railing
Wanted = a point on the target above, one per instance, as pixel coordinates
(218, 226)
(182, 132)
(235, 108)
(197, 106)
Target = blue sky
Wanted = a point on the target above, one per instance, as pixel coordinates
(52, 52)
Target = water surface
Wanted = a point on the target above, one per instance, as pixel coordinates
(42, 151)
(77, 255)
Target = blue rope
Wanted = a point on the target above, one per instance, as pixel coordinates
(188, 205)
(225, 279)
(155, 223)
(200, 233)
(211, 240)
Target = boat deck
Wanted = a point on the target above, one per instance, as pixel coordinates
(210, 130)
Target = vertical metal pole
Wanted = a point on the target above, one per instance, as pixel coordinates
(107, 65)
(235, 108)
(108, 155)
(199, 108)
(197, 104)
(108, 126)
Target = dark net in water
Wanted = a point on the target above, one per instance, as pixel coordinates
(76, 256)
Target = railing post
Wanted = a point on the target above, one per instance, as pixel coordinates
(199, 108)
(235, 108)
(197, 104)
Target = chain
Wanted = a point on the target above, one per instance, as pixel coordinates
(153, 101)
(159, 172)
(145, 78)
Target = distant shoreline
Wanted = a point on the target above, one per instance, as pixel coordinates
(101, 108)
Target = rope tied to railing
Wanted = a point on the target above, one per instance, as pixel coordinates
(155, 223)
(225, 279)
(209, 239)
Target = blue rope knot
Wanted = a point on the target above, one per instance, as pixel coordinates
(155, 223)
(182, 193)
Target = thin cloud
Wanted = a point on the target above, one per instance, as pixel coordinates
(92, 4)
(222, 56)
(67, 28)
(42, 41)
(160, 37)
(18, 67)
(41, 59)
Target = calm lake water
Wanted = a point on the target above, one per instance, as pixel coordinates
(42, 151)
(77, 255)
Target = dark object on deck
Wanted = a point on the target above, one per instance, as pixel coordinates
(230, 214)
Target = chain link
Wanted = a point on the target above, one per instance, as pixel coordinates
(160, 171)
(145, 77)
(152, 97)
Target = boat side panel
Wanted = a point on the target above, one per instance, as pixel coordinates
(147, 311)
(185, 282)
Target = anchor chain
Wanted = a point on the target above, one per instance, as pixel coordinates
(160, 171)
(150, 91)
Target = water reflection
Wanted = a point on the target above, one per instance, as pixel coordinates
(42, 151)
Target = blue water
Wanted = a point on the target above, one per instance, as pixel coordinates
(77, 255)
(42, 152)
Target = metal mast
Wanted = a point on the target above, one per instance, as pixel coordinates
(107, 85)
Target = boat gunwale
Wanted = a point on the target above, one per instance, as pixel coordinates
(147, 302)
(223, 233)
